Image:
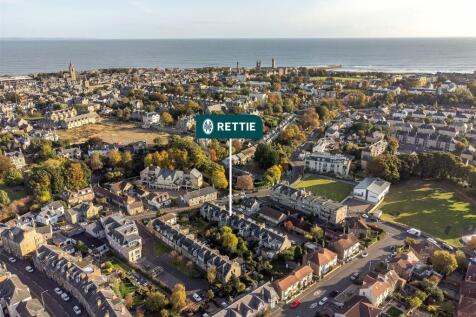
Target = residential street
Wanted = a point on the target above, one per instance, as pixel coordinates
(38, 283)
(339, 279)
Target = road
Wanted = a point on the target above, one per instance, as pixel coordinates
(38, 283)
(339, 279)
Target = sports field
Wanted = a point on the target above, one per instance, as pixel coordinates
(324, 187)
(439, 209)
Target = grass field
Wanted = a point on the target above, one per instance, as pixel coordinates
(328, 188)
(111, 132)
(432, 207)
(337, 78)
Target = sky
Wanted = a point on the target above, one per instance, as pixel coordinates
(137, 19)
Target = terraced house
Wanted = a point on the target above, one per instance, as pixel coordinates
(300, 200)
(123, 236)
(81, 279)
(201, 254)
(270, 241)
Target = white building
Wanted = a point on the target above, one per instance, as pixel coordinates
(50, 213)
(149, 119)
(371, 189)
(326, 163)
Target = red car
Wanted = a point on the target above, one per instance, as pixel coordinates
(295, 304)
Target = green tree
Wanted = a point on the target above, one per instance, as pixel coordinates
(229, 239)
(13, 177)
(76, 177)
(272, 175)
(46, 150)
(444, 262)
(316, 233)
(126, 159)
(4, 199)
(393, 145)
(386, 167)
(461, 260)
(155, 301)
(210, 294)
(297, 253)
(266, 155)
(5, 165)
(414, 302)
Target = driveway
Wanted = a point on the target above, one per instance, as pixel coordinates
(170, 275)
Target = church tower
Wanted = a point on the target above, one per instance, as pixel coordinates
(72, 72)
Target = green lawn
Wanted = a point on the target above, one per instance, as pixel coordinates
(337, 78)
(328, 188)
(161, 248)
(431, 208)
(394, 312)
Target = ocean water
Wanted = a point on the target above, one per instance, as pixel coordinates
(400, 55)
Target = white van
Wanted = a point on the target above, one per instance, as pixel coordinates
(414, 232)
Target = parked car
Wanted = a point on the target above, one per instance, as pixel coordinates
(414, 232)
(58, 291)
(65, 296)
(12, 259)
(29, 269)
(77, 310)
(197, 297)
(323, 301)
(334, 294)
(354, 276)
(364, 254)
(295, 303)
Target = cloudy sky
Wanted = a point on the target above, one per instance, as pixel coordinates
(236, 19)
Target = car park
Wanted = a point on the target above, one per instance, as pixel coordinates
(77, 310)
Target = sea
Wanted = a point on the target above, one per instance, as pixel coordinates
(427, 55)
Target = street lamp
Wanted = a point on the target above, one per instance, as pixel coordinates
(42, 299)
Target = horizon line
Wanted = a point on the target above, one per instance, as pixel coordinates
(235, 38)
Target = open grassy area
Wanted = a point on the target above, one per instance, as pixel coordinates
(431, 207)
(161, 248)
(111, 132)
(337, 78)
(324, 187)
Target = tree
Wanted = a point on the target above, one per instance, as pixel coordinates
(164, 313)
(393, 145)
(297, 253)
(155, 301)
(4, 199)
(386, 167)
(167, 118)
(414, 302)
(272, 175)
(178, 298)
(317, 233)
(229, 239)
(95, 161)
(237, 145)
(461, 260)
(126, 159)
(219, 179)
(114, 157)
(444, 262)
(266, 155)
(211, 274)
(129, 300)
(148, 160)
(5, 165)
(76, 178)
(210, 294)
(244, 182)
(46, 150)
(13, 177)
(310, 120)
(288, 226)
